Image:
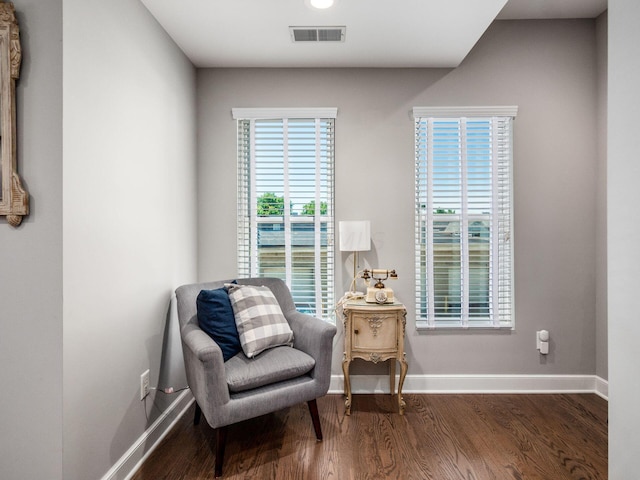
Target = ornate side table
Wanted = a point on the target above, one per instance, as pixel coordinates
(375, 333)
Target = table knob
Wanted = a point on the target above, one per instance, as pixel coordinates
(356, 331)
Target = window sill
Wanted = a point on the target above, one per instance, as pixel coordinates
(424, 327)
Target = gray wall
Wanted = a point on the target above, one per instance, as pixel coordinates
(548, 69)
(129, 222)
(623, 171)
(31, 261)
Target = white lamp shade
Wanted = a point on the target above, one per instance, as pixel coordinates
(355, 236)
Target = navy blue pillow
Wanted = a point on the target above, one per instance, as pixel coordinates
(215, 316)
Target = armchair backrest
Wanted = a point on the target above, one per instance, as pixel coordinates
(187, 295)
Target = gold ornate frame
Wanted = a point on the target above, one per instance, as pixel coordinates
(14, 199)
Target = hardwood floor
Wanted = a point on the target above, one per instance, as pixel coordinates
(440, 437)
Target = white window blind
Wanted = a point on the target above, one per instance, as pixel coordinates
(285, 201)
(463, 229)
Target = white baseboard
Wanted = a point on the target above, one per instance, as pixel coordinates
(133, 458)
(602, 387)
(476, 384)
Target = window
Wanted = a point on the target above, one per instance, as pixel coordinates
(285, 201)
(463, 211)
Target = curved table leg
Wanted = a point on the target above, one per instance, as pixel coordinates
(347, 386)
(392, 376)
(403, 373)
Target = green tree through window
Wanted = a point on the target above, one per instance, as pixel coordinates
(270, 204)
(310, 208)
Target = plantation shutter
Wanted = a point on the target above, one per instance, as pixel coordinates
(285, 201)
(463, 229)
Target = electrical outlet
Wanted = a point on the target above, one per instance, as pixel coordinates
(144, 384)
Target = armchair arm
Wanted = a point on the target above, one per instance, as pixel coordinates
(314, 337)
(205, 369)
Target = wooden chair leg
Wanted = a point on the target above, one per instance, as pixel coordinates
(221, 440)
(196, 417)
(313, 409)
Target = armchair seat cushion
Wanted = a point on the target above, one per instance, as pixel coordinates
(271, 366)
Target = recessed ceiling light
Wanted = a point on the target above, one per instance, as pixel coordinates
(321, 4)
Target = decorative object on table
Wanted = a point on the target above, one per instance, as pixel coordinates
(355, 236)
(379, 293)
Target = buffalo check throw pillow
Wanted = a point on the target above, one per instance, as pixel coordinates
(259, 319)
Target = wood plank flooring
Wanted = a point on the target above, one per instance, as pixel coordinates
(440, 437)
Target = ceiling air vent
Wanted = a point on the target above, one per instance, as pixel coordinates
(317, 34)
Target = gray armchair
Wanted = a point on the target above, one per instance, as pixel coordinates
(207, 377)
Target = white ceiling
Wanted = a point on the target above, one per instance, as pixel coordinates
(393, 33)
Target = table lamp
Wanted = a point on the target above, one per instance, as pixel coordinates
(355, 236)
